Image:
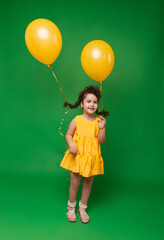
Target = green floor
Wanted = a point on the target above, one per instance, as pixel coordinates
(33, 206)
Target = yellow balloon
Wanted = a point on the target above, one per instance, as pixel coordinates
(97, 60)
(43, 40)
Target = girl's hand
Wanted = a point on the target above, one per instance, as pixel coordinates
(101, 122)
(73, 149)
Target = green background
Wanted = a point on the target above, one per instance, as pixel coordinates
(126, 203)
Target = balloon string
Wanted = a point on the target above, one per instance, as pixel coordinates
(61, 123)
(101, 94)
(57, 81)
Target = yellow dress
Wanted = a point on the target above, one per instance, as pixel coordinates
(88, 161)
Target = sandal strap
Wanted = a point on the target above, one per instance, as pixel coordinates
(83, 214)
(71, 214)
(71, 208)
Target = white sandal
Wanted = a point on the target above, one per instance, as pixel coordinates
(71, 216)
(82, 213)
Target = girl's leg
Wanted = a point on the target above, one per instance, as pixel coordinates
(87, 186)
(75, 183)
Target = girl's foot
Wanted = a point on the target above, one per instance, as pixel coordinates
(82, 213)
(71, 216)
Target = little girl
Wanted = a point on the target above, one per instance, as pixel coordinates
(83, 157)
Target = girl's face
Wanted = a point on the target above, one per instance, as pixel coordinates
(90, 103)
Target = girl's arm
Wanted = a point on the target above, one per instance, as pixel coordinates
(69, 137)
(102, 133)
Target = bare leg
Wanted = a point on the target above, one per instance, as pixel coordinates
(87, 186)
(74, 186)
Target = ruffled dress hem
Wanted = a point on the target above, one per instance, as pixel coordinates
(86, 166)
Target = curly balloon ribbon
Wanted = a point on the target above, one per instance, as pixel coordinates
(61, 132)
(101, 94)
(49, 65)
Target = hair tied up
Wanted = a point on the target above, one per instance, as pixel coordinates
(90, 89)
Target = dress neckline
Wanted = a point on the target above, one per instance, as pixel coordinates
(88, 120)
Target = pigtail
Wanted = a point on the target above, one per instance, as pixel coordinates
(80, 98)
(103, 112)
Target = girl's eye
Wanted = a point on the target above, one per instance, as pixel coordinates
(90, 101)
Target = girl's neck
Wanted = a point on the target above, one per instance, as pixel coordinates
(89, 117)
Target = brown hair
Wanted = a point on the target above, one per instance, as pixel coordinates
(90, 89)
